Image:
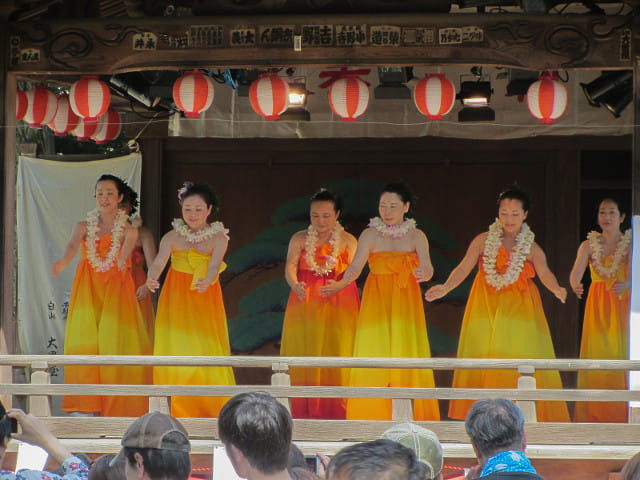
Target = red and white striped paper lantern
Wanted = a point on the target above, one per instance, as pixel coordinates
(193, 93)
(547, 98)
(349, 98)
(85, 129)
(65, 120)
(434, 95)
(269, 96)
(89, 97)
(21, 104)
(109, 127)
(42, 106)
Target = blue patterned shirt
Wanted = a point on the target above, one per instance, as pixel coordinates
(73, 468)
(508, 461)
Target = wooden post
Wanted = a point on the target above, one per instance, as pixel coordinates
(402, 409)
(281, 378)
(160, 404)
(40, 405)
(527, 382)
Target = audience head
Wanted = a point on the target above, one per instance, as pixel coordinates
(378, 460)
(301, 473)
(495, 425)
(631, 469)
(423, 442)
(296, 458)
(155, 446)
(256, 431)
(104, 469)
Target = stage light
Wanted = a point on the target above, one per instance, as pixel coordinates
(297, 94)
(520, 81)
(392, 80)
(606, 82)
(475, 96)
(616, 100)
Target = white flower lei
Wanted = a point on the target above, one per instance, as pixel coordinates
(99, 264)
(395, 231)
(596, 253)
(201, 235)
(524, 240)
(310, 250)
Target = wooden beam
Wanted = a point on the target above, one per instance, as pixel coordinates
(512, 40)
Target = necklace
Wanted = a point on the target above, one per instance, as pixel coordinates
(310, 250)
(524, 240)
(99, 264)
(395, 231)
(201, 235)
(596, 253)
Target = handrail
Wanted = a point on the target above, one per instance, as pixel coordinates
(324, 362)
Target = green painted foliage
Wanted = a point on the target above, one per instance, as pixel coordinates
(248, 332)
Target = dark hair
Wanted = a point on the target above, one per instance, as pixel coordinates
(130, 198)
(121, 185)
(5, 425)
(515, 192)
(204, 190)
(631, 469)
(494, 425)
(162, 463)
(380, 459)
(324, 195)
(260, 427)
(296, 458)
(102, 470)
(301, 473)
(402, 190)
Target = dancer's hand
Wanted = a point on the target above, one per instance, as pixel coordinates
(201, 285)
(329, 289)
(300, 289)
(419, 273)
(142, 292)
(561, 294)
(58, 267)
(435, 292)
(152, 284)
(620, 287)
(578, 290)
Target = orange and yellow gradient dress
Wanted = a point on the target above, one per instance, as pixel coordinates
(506, 323)
(605, 335)
(191, 323)
(139, 279)
(391, 324)
(104, 319)
(320, 327)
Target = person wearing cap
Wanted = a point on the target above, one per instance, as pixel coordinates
(33, 431)
(155, 447)
(496, 429)
(378, 460)
(256, 431)
(423, 442)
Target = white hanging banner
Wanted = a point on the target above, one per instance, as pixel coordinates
(52, 196)
(634, 321)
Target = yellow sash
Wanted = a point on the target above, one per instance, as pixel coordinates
(193, 262)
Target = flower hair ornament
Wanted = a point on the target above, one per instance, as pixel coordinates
(183, 190)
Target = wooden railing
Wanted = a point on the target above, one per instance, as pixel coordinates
(546, 440)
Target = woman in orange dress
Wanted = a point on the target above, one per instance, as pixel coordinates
(104, 317)
(504, 316)
(191, 319)
(144, 252)
(319, 326)
(605, 332)
(391, 322)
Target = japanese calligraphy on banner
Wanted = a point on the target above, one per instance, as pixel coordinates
(242, 37)
(317, 35)
(351, 35)
(385, 36)
(277, 35)
(145, 41)
(456, 36)
(204, 36)
(625, 44)
(30, 55)
(418, 36)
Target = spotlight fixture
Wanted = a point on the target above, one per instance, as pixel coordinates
(392, 80)
(475, 97)
(612, 89)
(297, 93)
(520, 81)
